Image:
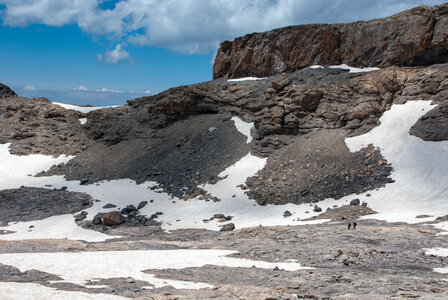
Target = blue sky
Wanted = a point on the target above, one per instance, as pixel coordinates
(105, 52)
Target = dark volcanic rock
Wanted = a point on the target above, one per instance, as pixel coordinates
(433, 126)
(317, 166)
(28, 204)
(414, 37)
(6, 92)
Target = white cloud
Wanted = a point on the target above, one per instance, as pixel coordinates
(140, 92)
(106, 90)
(191, 26)
(113, 57)
(81, 88)
(29, 88)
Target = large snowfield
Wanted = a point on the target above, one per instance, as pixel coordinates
(420, 171)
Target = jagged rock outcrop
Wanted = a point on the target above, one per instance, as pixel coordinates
(5, 91)
(413, 37)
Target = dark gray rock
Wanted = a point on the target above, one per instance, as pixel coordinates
(355, 202)
(142, 204)
(317, 208)
(433, 126)
(228, 227)
(287, 213)
(28, 203)
(109, 205)
(128, 209)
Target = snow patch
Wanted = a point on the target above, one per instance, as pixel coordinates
(420, 167)
(83, 109)
(113, 264)
(316, 67)
(244, 128)
(354, 69)
(83, 121)
(246, 79)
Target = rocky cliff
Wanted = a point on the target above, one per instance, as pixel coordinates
(414, 37)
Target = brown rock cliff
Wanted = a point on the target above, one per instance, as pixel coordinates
(413, 37)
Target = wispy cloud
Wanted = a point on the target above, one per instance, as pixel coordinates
(113, 57)
(30, 88)
(80, 88)
(106, 90)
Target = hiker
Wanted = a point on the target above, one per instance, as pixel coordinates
(354, 225)
(349, 224)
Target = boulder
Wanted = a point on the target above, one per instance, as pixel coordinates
(228, 227)
(113, 218)
(128, 209)
(109, 205)
(287, 213)
(142, 204)
(317, 208)
(355, 202)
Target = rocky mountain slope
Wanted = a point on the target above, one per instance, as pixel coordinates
(272, 159)
(413, 37)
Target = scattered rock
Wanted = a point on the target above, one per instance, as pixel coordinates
(142, 204)
(109, 205)
(113, 218)
(355, 202)
(287, 213)
(83, 181)
(228, 227)
(317, 208)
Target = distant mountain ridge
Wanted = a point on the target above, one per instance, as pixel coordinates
(414, 37)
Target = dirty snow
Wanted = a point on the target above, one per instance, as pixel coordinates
(111, 264)
(438, 252)
(33, 291)
(244, 128)
(83, 109)
(354, 69)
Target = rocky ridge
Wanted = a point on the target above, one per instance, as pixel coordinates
(414, 37)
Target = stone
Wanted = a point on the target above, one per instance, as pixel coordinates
(81, 216)
(228, 227)
(83, 181)
(287, 213)
(109, 205)
(128, 209)
(317, 208)
(142, 204)
(113, 218)
(355, 202)
(364, 204)
(98, 219)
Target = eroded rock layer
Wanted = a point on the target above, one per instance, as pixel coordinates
(414, 37)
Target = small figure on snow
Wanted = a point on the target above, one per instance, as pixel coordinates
(354, 225)
(349, 224)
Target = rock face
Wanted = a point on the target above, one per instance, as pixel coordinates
(433, 126)
(6, 92)
(414, 37)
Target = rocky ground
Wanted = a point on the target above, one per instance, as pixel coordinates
(316, 166)
(377, 260)
(29, 204)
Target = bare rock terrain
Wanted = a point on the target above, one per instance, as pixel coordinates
(412, 37)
